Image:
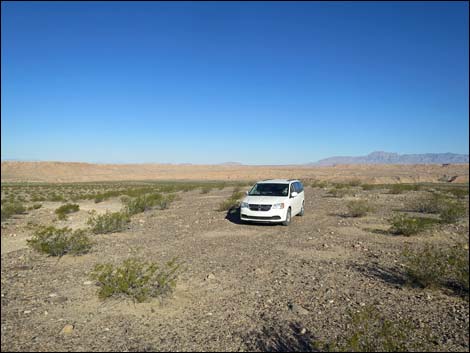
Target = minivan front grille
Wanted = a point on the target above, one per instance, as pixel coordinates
(254, 207)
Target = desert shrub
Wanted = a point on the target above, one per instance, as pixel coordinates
(358, 208)
(35, 206)
(136, 279)
(66, 209)
(206, 189)
(460, 193)
(451, 211)
(340, 190)
(38, 198)
(355, 182)
(401, 188)
(9, 209)
(221, 186)
(368, 187)
(60, 241)
(432, 266)
(109, 222)
(99, 198)
(426, 267)
(147, 202)
(56, 198)
(458, 260)
(428, 203)
(232, 202)
(319, 184)
(368, 330)
(405, 225)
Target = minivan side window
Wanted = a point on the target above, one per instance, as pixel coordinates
(300, 187)
(292, 188)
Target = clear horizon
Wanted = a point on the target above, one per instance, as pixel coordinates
(256, 83)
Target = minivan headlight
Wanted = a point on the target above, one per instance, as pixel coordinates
(278, 206)
(244, 205)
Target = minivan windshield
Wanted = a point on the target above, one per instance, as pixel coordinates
(266, 189)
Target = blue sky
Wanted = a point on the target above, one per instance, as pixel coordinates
(258, 83)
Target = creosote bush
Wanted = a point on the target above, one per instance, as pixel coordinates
(136, 279)
(450, 210)
(60, 241)
(147, 202)
(358, 208)
(66, 209)
(406, 225)
(319, 184)
(35, 206)
(109, 222)
(435, 265)
(355, 182)
(401, 188)
(340, 190)
(368, 330)
(11, 208)
(232, 202)
(206, 189)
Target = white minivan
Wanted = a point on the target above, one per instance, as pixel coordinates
(275, 200)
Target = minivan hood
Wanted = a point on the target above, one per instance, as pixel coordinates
(265, 200)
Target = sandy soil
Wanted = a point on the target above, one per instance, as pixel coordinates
(81, 172)
(241, 282)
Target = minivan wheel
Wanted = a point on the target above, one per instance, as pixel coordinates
(301, 213)
(287, 221)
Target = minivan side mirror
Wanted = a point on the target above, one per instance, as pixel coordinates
(294, 194)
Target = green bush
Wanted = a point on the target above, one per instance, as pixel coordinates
(56, 198)
(451, 211)
(206, 189)
(147, 202)
(433, 266)
(340, 191)
(368, 330)
(136, 279)
(108, 222)
(355, 182)
(66, 209)
(458, 260)
(368, 187)
(232, 202)
(60, 241)
(99, 198)
(9, 209)
(426, 267)
(428, 203)
(460, 193)
(319, 184)
(358, 208)
(405, 225)
(401, 188)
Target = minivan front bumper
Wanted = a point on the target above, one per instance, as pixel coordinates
(263, 216)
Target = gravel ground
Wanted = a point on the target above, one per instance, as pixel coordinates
(244, 287)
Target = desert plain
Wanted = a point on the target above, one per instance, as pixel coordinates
(311, 286)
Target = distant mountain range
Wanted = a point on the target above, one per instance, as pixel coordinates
(380, 157)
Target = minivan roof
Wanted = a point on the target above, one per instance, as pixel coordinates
(277, 181)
